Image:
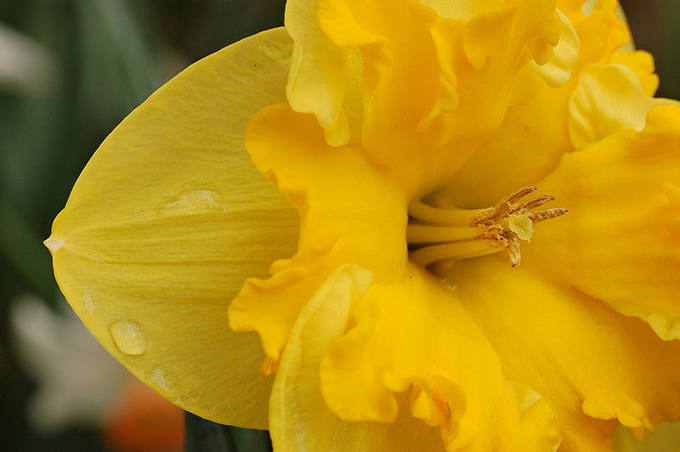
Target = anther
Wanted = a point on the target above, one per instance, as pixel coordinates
(546, 214)
(532, 204)
(503, 207)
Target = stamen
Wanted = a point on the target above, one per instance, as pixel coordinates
(439, 235)
(501, 209)
(532, 204)
(546, 214)
(443, 217)
(423, 233)
(514, 251)
(454, 250)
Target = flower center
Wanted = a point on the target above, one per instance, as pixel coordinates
(441, 236)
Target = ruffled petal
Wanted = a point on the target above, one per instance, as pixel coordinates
(557, 70)
(602, 31)
(463, 69)
(166, 222)
(348, 208)
(300, 419)
(319, 74)
(620, 241)
(526, 148)
(608, 98)
(480, 60)
(398, 56)
(642, 63)
(544, 121)
(593, 364)
(414, 335)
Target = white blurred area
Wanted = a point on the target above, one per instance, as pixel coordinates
(77, 379)
(79, 384)
(25, 65)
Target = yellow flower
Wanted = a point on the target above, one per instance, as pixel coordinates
(423, 297)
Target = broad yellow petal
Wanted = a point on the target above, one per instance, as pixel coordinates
(593, 364)
(166, 222)
(620, 241)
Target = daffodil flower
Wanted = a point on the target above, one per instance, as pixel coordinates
(469, 211)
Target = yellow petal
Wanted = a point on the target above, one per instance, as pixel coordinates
(463, 9)
(642, 63)
(526, 147)
(318, 80)
(589, 361)
(557, 71)
(166, 222)
(299, 417)
(510, 118)
(349, 208)
(486, 54)
(620, 241)
(414, 334)
(534, 134)
(397, 58)
(601, 31)
(411, 49)
(608, 98)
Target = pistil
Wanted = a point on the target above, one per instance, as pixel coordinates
(450, 234)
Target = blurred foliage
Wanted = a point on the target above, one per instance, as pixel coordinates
(655, 26)
(102, 58)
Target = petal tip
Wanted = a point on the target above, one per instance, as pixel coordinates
(53, 244)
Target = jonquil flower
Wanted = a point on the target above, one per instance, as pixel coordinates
(381, 158)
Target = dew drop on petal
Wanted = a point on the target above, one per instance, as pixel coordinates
(129, 337)
(193, 201)
(89, 302)
(163, 382)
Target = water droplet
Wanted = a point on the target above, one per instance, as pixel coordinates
(89, 301)
(192, 201)
(129, 337)
(163, 382)
(159, 377)
(54, 244)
